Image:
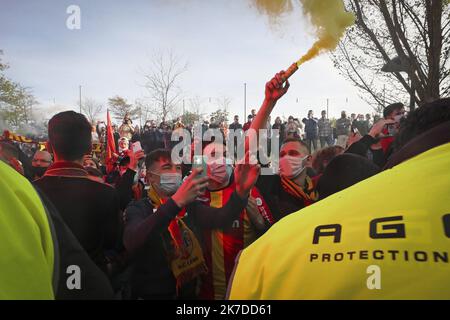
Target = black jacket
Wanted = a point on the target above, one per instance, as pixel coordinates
(94, 284)
(280, 202)
(362, 148)
(143, 238)
(90, 209)
(123, 185)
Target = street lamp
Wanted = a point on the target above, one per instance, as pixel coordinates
(398, 64)
(80, 98)
(245, 101)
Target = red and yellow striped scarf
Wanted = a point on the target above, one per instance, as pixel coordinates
(184, 252)
(308, 193)
(222, 245)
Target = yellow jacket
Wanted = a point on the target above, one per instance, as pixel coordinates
(387, 237)
(26, 245)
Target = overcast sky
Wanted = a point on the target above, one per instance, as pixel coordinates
(226, 44)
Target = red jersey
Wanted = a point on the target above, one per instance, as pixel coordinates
(221, 246)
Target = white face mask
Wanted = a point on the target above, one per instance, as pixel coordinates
(169, 183)
(398, 117)
(220, 171)
(291, 167)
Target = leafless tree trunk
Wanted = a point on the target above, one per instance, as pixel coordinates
(223, 103)
(91, 109)
(196, 105)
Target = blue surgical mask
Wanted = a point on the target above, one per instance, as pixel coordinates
(169, 183)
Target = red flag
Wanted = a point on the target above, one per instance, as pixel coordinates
(111, 145)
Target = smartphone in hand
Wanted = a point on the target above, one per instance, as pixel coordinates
(200, 162)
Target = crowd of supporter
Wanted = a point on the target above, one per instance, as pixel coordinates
(141, 225)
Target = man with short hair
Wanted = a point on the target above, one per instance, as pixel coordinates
(236, 132)
(235, 125)
(89, 208)
(213, 123)
(362, 125)
(353, 121)
(377, 143)
(399, 246)
(40, 162)
(395, 112)
(223, 243)
(311, 130)
(166, 252)
(325, 131)
(343, 125)
(248, 123)
(290, 189)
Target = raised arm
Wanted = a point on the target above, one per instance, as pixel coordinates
(274, 91)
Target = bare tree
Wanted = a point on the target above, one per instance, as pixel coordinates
(411, 37)
(162, 83)
(91, 109)
(223, 103)
(196, 105)
(144, 113)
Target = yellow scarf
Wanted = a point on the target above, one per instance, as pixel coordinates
(184, 251)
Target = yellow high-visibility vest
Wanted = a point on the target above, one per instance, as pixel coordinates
(387, 237)
(26, 245)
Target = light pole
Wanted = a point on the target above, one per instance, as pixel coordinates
(245, 101)
(80, 98)
(398, 64)
(328, 112)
